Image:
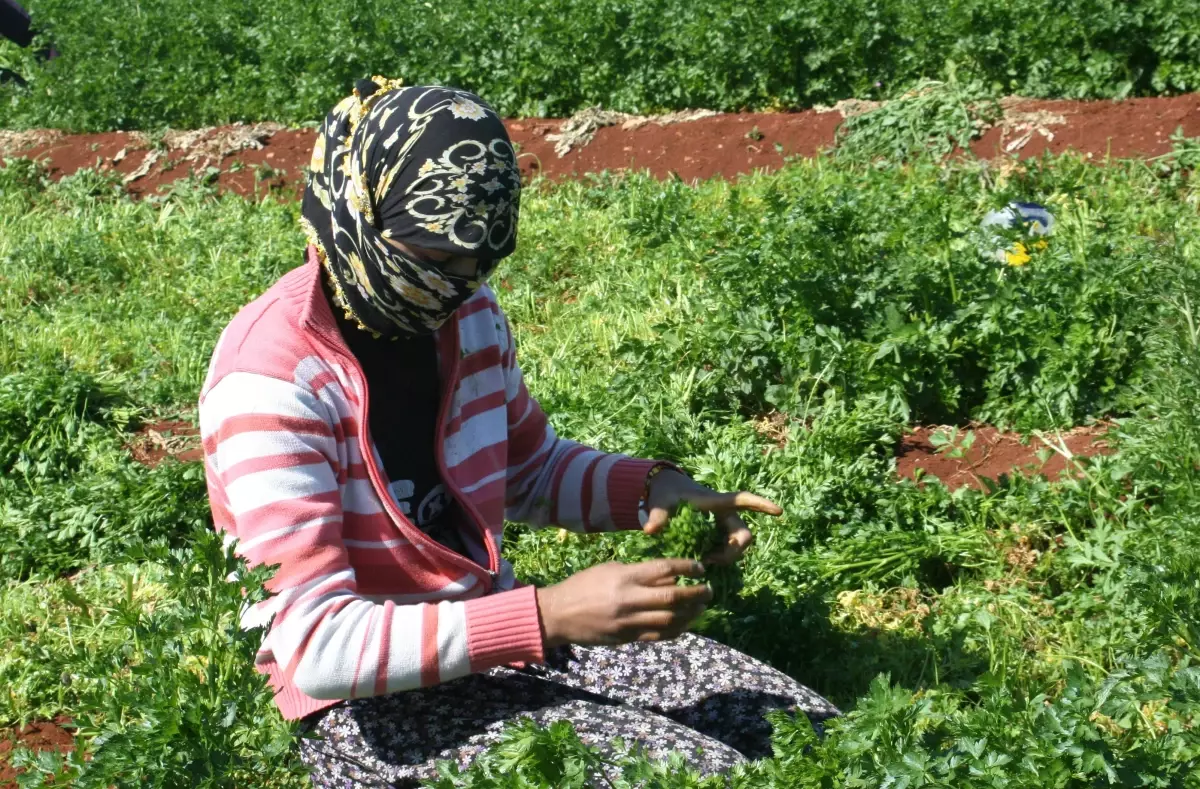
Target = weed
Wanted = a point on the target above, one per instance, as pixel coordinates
(1184, 155)
(1030, 634)
(932, 118)
(949, 443)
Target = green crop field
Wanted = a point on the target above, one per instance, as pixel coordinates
(778, 332)
(138, 64)
(1037, 634)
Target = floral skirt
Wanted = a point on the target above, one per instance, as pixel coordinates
(690, 695)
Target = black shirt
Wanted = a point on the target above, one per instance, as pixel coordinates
(404, 393)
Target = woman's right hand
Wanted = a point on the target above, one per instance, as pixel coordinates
(618, 603)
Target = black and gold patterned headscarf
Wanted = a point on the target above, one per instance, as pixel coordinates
(428, 166)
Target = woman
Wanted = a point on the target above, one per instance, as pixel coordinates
(367, 429)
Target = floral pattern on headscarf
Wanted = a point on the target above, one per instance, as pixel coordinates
(430, 167)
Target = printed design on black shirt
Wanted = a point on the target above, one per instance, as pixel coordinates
(432, 505)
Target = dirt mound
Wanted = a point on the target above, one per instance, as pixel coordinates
(1121, 129)
(953, 458)
(37, 736)
(175, 439)
(255, 160)
(263, 158)
(966, 458)
(580, 129)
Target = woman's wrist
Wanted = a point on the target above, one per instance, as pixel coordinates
(655, 470)
(551, 639)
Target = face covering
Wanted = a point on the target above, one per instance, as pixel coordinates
(427, 166)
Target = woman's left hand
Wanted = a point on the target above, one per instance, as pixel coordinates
(669, 489)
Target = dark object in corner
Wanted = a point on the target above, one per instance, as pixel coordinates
(14, 23)
(16, 26)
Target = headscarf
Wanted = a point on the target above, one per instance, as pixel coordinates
(431, 167)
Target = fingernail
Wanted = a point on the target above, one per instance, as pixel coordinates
(699, 567)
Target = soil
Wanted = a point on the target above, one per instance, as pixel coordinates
(993, 455)
(264, 158)
(175, 439)
(1125, 129)
(256, 160)
(37, 736)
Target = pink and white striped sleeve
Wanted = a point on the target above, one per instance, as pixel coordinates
(276, 460)
(554, 481)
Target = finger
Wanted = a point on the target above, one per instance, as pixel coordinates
(657, 625)
(668, 598)
(669, 580)
(663, 635)
(709, 501)
(649, 573)
(680, 628)
(657, 520)
(681, 625)
(738, 538)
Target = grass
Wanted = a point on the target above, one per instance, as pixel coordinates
(145, 63)
(1035, 634)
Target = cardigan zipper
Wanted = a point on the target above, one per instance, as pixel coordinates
(451, 380)
(406, 527)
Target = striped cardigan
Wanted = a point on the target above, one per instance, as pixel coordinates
(362, 602)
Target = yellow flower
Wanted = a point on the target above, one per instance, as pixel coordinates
(414, 295)
(318, 155)
(356, 265)
(434, 282)
(1041, 244)
(1019, 255)
(387, 83)
(465, 108)
(356, 201)
(357, 195)
(323, 195)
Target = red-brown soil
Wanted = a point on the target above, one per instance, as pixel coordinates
(722, 145)
(1125, 129)
(993, 455)
(155, 443)
(37, 736)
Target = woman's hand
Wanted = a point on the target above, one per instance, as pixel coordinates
(618, 603)
(669, 489)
